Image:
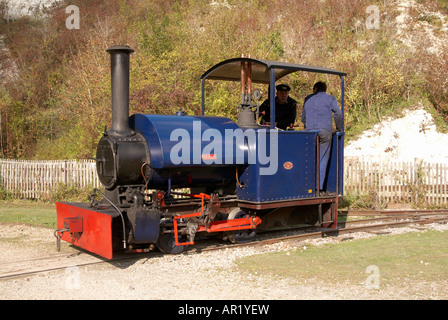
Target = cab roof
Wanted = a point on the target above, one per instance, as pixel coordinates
(230, 70)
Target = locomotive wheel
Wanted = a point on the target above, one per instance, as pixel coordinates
(239, 236)
(166, 244)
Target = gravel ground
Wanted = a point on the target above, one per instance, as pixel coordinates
(209, 275)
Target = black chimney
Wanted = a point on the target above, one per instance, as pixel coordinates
(119, 56)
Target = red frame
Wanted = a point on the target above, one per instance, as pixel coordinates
(214, 226)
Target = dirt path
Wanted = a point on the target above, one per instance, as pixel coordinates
(209, 275)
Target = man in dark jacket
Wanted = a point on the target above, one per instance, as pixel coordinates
(318, 112)
(285, 108)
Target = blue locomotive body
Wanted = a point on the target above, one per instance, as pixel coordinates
(175, 141)
(189, 151)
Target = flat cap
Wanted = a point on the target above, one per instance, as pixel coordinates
(283, 87)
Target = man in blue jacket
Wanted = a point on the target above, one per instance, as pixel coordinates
(317, 115)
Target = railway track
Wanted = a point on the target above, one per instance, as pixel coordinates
(408, 218)
(378, 220)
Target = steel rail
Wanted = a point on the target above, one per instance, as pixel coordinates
(391, 212)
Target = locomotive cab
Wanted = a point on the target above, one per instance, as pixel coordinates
(289, 194)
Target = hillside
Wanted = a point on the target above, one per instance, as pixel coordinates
(54, 81)
(413, 134)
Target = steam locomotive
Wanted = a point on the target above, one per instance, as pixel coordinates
(234, 177)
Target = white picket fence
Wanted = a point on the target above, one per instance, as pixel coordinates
(408, 182)
(399, 182)
(31, 179)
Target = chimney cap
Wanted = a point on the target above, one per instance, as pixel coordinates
(120, 48)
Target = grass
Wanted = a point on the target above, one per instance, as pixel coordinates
(414, 256)
(28, 212)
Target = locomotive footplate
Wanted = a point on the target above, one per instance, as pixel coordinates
(285, 203)
(322, 212)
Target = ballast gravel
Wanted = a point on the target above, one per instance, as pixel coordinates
(209, 275)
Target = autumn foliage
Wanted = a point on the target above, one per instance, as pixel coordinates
(55, 81)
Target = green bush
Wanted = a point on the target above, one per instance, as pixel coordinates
(4, 194)
(62, 192)
(361, 200)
